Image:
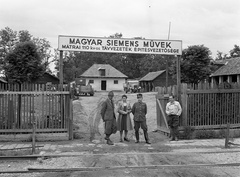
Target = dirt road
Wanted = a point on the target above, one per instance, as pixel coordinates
(86, 116)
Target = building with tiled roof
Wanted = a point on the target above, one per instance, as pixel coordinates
(155, 79)
(230, 72)
(104, 77)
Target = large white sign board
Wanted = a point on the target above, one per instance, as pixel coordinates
(121, 45)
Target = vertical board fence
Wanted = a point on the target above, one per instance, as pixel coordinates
(204, 107)
(49, 110)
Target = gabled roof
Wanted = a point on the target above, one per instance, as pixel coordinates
(232, 66)
(152, 75)
(110, 71)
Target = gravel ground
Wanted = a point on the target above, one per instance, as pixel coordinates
(222, 157)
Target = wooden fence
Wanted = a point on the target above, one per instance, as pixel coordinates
(210, 108)
(50, 111)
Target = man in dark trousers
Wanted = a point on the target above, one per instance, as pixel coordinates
(108, 116)
(173, 110)
(139, 111)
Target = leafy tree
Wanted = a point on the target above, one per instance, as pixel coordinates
(235, 52)
(152, 63)
(195, 64)
(8, 39)
(221, 56)
(45, 51)
(24, 36)
(23, 64)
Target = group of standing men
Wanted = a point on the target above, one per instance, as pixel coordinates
(139, 111)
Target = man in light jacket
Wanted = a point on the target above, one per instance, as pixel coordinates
(173, 110)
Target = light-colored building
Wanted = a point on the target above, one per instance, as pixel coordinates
(104, 77)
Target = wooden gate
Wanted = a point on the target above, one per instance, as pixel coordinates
(161, 101)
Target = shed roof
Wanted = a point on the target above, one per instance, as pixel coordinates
(152, 75)
(110, 71)
(232, 66)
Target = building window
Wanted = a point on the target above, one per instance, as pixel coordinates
(115, 81)
(102, 72)
(91, 81)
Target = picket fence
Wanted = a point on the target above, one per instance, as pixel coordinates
(204, 106)
(41, 105)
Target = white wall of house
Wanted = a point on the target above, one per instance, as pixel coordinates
(111, 83)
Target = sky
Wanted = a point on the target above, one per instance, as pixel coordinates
(212, 23)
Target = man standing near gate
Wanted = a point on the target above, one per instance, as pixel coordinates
(173, 110)
(139, 111)
(108, 116)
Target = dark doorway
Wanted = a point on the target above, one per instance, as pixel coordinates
(103, 85)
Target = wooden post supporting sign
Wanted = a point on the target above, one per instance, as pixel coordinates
(61, 70)
(178, 78)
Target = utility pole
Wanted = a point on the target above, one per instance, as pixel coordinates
(167, 57)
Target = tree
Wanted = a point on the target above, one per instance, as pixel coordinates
(195, 64)
(235, 52)
(44, 50)
(8, 39)
(152, 63)
(23, 64)
(221, 56)
(24, 36)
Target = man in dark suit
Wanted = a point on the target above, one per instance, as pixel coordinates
(108, 116)
(139, 111)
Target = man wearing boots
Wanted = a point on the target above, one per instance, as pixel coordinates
(173, 110)
(108, 116)
(139, 111)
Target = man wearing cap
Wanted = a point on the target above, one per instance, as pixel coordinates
(108, 116)
(139, 111)
(173, 110)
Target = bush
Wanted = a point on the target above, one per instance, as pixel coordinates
(222, 133)
(205, 134)
(187, 132)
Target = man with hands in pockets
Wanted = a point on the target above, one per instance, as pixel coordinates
(173, 110)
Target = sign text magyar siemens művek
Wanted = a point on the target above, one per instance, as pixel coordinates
(93, 44)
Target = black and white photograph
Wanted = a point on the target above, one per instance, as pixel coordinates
(110, 88)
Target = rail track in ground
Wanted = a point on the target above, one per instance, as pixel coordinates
(187, 163)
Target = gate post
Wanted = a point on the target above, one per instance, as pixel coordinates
(70, 112)
(184, 104)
